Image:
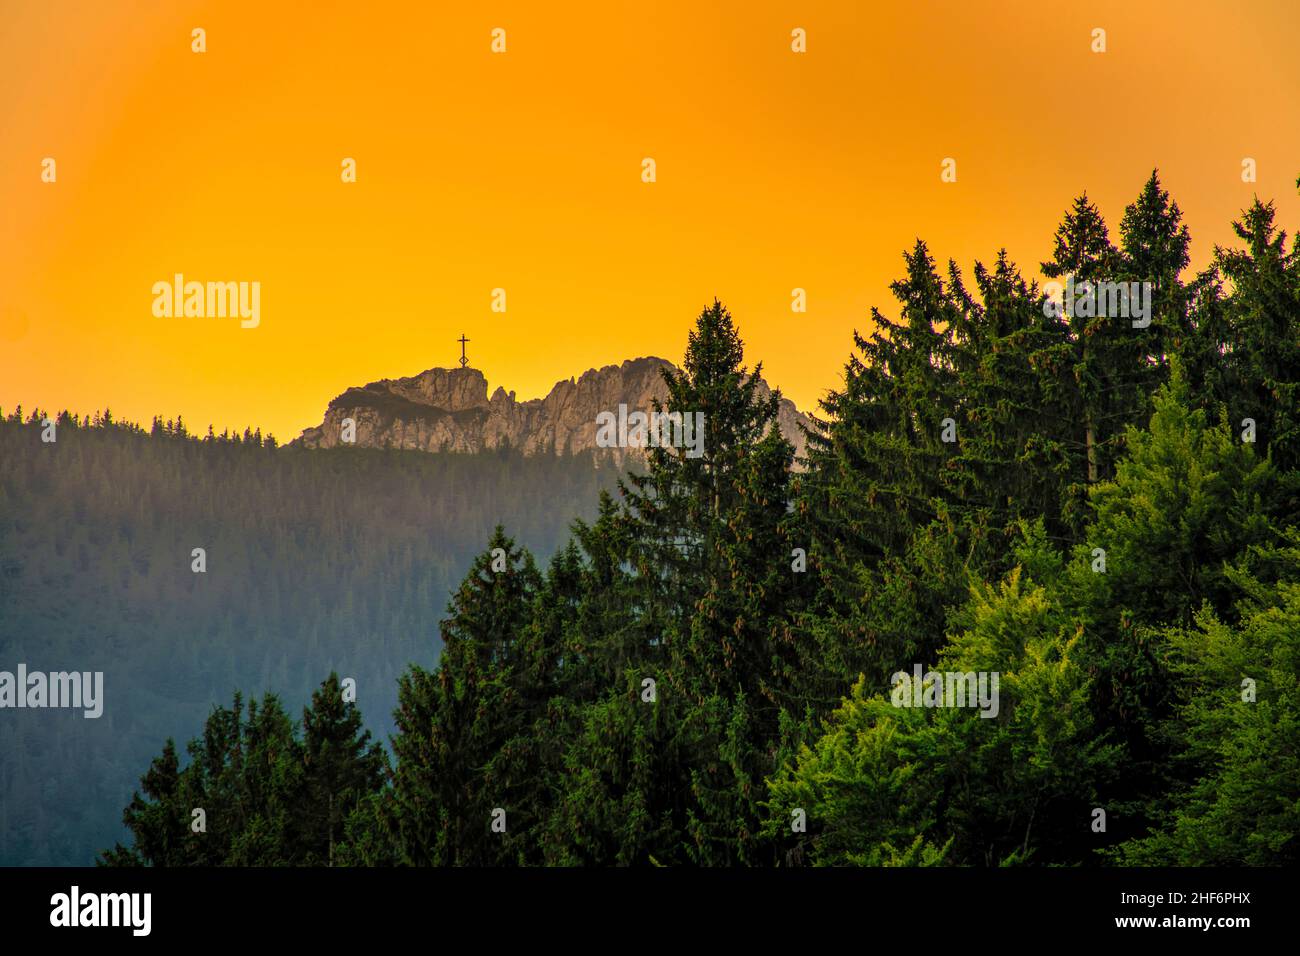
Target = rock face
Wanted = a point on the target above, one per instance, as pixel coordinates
(449, 409)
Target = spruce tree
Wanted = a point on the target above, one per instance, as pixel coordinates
(451, 722)
(340, 767)
(1263, 347)
(711, 549)
(1154, 244)
(1083, 255)
(158, 820)
(877, 507)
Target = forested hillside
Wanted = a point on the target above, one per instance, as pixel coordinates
(1101, 511)
(316, 561)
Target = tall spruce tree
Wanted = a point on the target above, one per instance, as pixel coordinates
(1263, 347)
(1154, 244)
(613, 789)
(1013, 463)
(709, 531)
(1083, 256)
(886, 533)
(452, 721)
(340, 767)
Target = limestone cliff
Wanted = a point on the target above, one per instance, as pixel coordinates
(450, 409)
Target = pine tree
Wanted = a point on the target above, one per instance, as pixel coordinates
(522, 773)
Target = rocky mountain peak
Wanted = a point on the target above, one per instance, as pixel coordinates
(449, 409)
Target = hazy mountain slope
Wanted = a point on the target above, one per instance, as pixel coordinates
(316, 560)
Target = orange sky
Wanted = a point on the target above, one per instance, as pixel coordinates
(523, 171)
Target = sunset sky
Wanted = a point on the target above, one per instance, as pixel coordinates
(522, 171)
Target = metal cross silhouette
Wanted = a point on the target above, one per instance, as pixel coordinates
(462, 340)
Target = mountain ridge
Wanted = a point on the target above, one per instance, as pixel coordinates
(450, 409)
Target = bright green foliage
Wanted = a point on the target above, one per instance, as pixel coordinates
(1189, 496)
(1186, 502)
(972, 790)
(1237, 726)
(870, 783)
